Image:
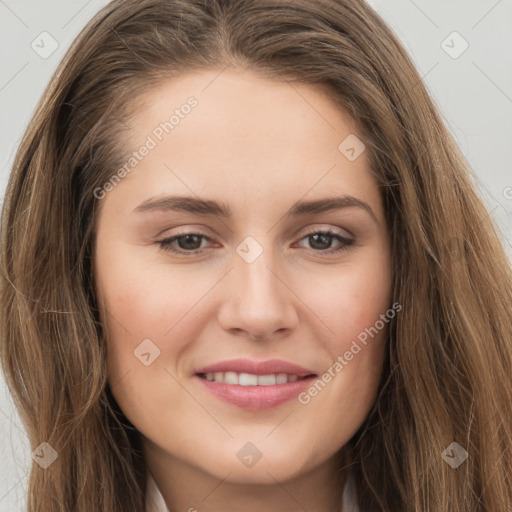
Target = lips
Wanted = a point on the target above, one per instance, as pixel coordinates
(255, 384)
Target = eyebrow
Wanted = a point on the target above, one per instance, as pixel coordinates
(199, 206)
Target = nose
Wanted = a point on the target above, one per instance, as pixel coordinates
(259, 301)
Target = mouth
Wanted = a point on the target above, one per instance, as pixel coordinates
(255, 385)
(250, 379)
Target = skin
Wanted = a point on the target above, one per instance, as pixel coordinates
(257, 146)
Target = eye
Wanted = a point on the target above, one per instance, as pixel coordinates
(321, 241)
(188, 243)
(191, 243)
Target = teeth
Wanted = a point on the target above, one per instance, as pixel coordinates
(248, 379)
(281, 378)
(231, 377)
(266, 380)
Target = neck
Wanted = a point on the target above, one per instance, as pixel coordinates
(187, 487)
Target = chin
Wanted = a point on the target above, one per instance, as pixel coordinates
(248, 466)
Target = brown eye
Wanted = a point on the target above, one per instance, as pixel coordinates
(321, 241)
(187, 243)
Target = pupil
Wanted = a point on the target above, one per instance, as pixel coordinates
(321, 236)
(191, 239)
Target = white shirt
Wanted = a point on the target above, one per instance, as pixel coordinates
(155, 501)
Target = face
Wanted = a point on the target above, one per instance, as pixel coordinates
(227, 310)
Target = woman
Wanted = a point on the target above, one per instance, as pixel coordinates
(245, 267)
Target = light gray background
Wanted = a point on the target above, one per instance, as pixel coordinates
(473, 93)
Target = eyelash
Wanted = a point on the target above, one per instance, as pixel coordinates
(346, 243)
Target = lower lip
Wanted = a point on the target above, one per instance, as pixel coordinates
(257, 397)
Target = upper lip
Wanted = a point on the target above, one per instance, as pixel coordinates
(271, 366)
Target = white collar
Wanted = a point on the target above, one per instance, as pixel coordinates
(155, 501)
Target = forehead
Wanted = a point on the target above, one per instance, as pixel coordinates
(245, 136)
(239, 99)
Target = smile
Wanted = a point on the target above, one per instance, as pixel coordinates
(249, 379)
(255, 385)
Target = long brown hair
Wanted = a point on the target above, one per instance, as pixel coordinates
(448, 367)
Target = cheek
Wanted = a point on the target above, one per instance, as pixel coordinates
(156, 303)
(352, 300)
(150, 300)
(356, 306)
(143, 313)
